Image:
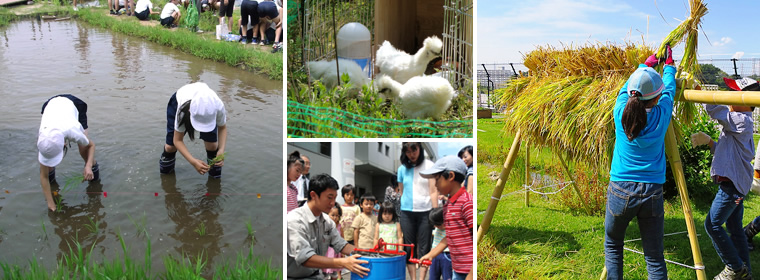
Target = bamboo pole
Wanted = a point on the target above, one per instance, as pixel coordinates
(570, 176)
(739, 98)
(604, 273)
(527, 173)
(671, 151)
(496, 196)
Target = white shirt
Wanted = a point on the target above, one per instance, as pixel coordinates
(168, 10)
(61, 114)
(142, 5)
(190, 92)
(302, 186)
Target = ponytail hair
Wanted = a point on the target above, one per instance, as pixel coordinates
(634, 115)
(184, 119)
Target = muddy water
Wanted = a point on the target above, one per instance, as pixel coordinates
(127, 83)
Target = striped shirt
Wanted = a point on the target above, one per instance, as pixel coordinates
(292, 200)
(438, 235)
(458, 222)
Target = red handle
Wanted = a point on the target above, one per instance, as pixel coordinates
(425, 262)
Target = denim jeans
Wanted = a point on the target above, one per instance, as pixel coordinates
(626, 200)
(728, 208)
(458, 276)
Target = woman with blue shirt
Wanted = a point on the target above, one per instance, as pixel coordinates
(642, 115)
(418, 197)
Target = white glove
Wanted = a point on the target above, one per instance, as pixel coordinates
(756, 185)
(699, 139)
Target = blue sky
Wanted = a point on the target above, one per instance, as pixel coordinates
(507, 28)
(450, 148)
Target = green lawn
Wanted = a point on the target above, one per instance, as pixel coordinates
(548, 241)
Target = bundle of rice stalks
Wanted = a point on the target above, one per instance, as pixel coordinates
(566, 101)
(688, 32)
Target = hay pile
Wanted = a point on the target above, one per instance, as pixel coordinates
(566, 101)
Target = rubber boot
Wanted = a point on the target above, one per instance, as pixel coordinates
(213, 171)
(751, 230)
(166, 162)
(51, 175)
(95, 172)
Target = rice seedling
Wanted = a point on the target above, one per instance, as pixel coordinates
(217, 159)
(43, 234)
(93, 226)
(251, 233)
(139, 224)
(201, 229)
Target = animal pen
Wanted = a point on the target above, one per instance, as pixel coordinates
(566, 104)
(403, 23)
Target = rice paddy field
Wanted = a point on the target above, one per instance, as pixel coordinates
(134, 223)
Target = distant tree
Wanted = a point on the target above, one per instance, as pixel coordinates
(712, 75)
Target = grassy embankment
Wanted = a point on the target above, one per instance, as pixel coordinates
(204, 45)
(548, 241)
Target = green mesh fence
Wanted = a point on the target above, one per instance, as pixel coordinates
(321, 122)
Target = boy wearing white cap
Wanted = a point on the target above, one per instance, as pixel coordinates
(64, 120)
(449, 173)
(732, 171)
(195, 107)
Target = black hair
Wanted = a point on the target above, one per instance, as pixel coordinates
(367, 197)
(467, 149)
(634, 117)
(320, 183)
(294, 157)
(387, 207)
(458, 177)
(340, 209)
(184, 119)
(346, 189)
(412, 145)
(436, 216)
(394, 181)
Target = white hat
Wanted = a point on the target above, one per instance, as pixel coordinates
(50, 143)
(204, 107)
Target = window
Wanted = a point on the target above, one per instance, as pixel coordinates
(379, 147)
(325, 148)
(386, 150)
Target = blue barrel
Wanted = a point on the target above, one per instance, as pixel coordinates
(383, 268)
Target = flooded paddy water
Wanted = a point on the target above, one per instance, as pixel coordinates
(127, 83)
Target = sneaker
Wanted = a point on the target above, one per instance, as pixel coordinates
(76, 9)
(112, 12)
(255, 40)
(730, 274)
(243, 41)
(166, 166)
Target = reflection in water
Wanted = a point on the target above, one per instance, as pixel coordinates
(83, 223)
(82, 46)
(196, 219)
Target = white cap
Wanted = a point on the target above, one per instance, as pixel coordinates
(50, 144)
(203, 107)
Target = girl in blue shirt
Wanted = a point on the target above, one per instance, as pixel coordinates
(642, 115)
